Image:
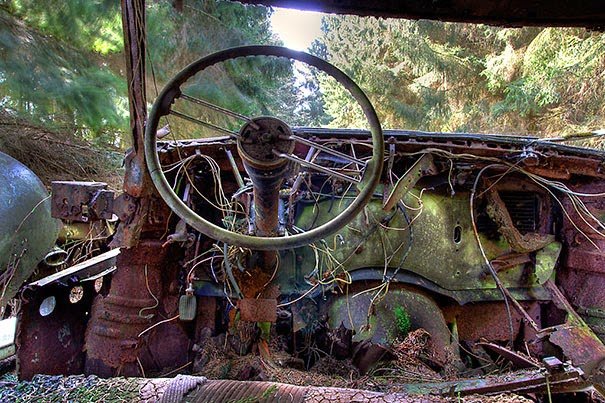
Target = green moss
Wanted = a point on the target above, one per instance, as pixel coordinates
(265, 330)
(270, 391)
(402, 321)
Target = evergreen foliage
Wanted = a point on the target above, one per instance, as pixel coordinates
(56, 83)
(62, 64)
(435, 76)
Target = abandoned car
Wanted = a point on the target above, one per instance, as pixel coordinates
(295, 243)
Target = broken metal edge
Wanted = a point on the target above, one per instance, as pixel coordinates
(88, 270)
(522, 381)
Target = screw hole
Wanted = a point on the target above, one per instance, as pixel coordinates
(457, 234)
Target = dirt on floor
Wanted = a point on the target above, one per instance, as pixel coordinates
(219, 361)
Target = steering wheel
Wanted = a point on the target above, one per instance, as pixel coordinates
(280, 153)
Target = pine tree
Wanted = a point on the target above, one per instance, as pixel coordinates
(435, 76)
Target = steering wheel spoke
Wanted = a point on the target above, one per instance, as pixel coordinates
(220, 109)
(327, 150)
(317, 167)
(207, 125)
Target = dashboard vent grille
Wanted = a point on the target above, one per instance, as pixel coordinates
(524, 210)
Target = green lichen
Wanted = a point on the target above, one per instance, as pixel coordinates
(402, 321)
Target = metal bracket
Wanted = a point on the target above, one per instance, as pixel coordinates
(424, 165)
(81, 201)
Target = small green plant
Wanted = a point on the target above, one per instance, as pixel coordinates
(265, 330)
(402, 321)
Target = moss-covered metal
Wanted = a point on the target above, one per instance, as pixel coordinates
(27, 230)
(377, 322)
(546, 260)
(442, 246)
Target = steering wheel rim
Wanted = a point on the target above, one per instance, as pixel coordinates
(171, 91)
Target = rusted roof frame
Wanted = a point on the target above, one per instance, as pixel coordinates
(510, 13)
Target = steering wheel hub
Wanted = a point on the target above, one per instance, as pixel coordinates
(262, 140)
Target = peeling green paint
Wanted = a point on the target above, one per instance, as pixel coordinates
(436, 254)
(546, 260)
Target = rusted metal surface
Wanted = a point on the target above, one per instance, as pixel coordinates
(524, 381)
(519, 361)
(259, 139)
(589, 13)
(589, 260)
(135, 302)
(580, 345)
(137, 215)
(81, 201)
(576, 339)
(584, 260)
(166, 349)
(206, 316)
(590, 302)
(555, 161)
(522, 243)
(258, 310)
(137, 183)
(52, 344)
(489, 320)
(266, 198)
(125, 206)
(133, 25)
